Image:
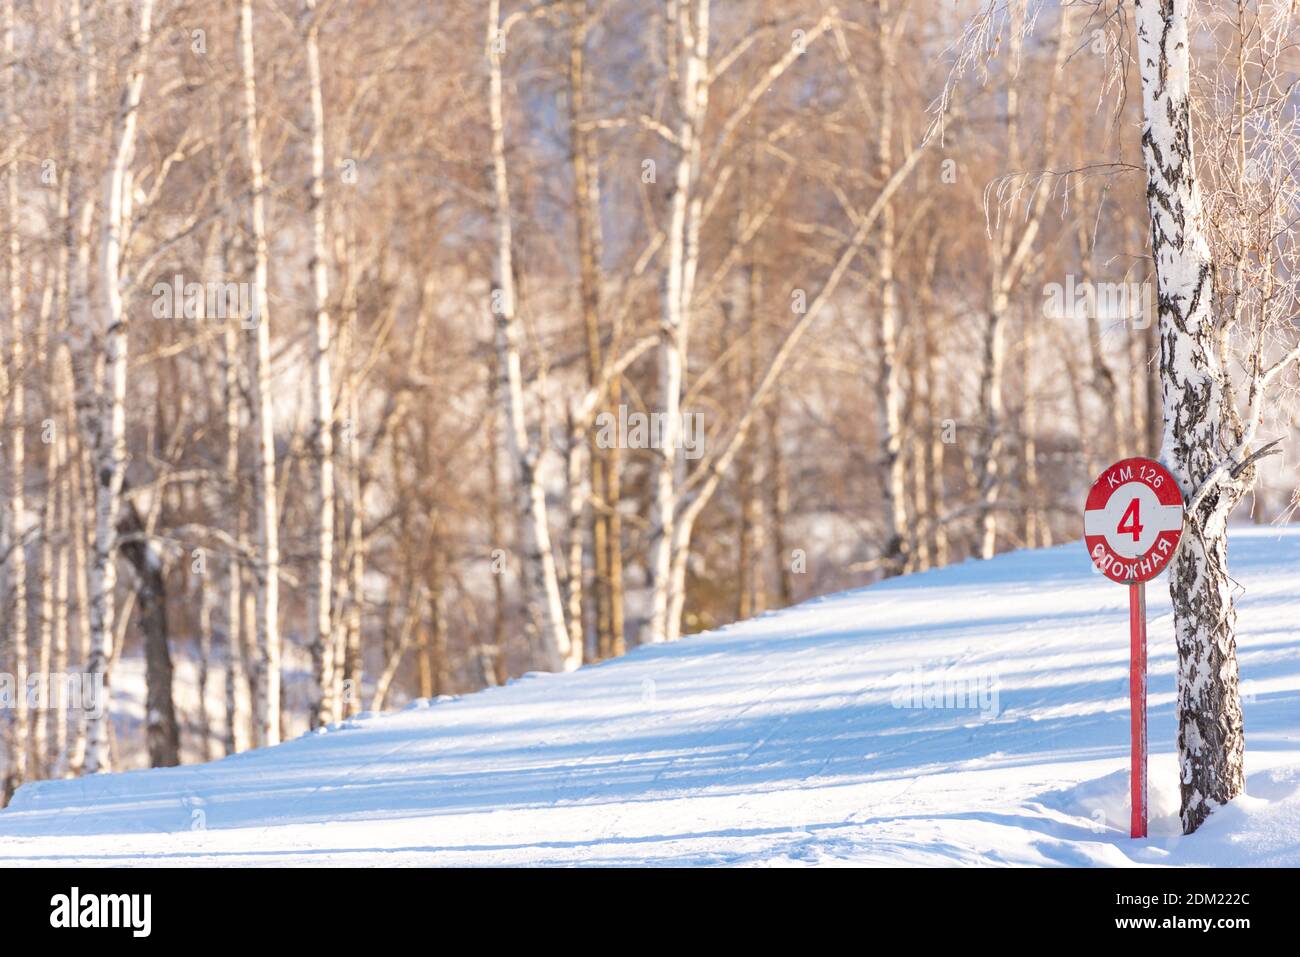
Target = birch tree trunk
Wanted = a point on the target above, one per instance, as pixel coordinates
(577, 501)
(667, 564)
(541, 578)
(614, 540)
(1002, 281)
(79, 533)
(359, 487)
(617, 641)
(988, 467)
(55, 614)
(492, 653)
(436, 644)
(231, 601)
(48, 556)
(77, 227)
(59, 716)
(889, 374)
(204, 718)
(1211, 743)
(162, 732)
(1034, 527)
(924, 481)
(324, 707)
(14, 391)
(110, 433)
(778, 504)
(586, 203)
(228, 631)
(752, 593)
(268, 514)
(44, 755)
(62, 521)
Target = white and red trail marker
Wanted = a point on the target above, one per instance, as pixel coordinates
(1132, 522)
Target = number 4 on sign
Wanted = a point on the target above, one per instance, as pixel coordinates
(1130, 523)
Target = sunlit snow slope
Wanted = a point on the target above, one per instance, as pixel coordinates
(782, 740)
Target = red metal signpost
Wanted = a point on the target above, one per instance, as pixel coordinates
(1132, 522)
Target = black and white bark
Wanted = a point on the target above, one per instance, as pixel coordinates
(267, 566)
(541, 574)
(109, 432)
(320, 620)
(1211, 743)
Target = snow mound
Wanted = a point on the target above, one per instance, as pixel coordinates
(977, 714)
(1107, 801)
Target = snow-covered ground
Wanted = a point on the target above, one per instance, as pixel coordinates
(807, 736)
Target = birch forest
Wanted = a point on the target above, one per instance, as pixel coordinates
(356, 352)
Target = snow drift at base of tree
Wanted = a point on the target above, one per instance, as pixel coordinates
(799, 737)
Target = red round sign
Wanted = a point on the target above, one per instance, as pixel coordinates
(1133, 520)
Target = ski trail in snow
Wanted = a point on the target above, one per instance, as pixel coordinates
(772, 741)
